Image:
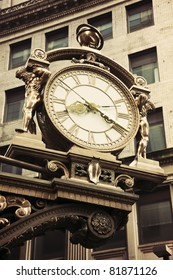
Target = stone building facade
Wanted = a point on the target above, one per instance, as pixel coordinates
(138, 35)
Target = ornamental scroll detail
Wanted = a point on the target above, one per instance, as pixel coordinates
(89, 226)
(55, 166)
(125, 182)
(23, 208)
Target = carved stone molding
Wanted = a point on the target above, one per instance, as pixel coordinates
(89, 225)
(116, 69)
(30, 13)
(101, 224)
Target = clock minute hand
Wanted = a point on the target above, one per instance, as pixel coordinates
(73, 91)
(119, 128)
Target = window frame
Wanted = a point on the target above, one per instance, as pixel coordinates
(95, 21)
(155, 118)
(22, 46)
(143, 59)
(4, 167)
(11, 169)
(118, 240)
(137, 9)
(14, 95)
(54, 34)
(160, 195)
(51, 235)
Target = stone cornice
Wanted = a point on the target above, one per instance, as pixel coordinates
(36, 12)
(19, 6)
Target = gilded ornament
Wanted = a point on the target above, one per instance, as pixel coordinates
(125, 182)
(3, 203)
(94, 171)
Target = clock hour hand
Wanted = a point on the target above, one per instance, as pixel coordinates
(78, 107)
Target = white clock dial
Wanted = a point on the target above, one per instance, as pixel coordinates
(91, 108)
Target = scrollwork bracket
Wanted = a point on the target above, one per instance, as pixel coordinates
(55, 166)
(125, 182)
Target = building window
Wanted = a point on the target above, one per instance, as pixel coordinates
(19, 53)
(139, 15)
(144, 63)
(11, 169)
(51, 245)
(156, 132)
(57, 39)
(118, 240)
(6, 167)
(14, 104)
(104, 24)
(155, 216)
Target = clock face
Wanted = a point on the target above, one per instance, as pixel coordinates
(91, 108)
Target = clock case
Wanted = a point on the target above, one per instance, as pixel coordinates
(85, 58)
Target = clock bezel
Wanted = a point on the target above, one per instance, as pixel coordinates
(118, 84)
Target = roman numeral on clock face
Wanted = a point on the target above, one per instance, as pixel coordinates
(74, 129)
(118, 101)
(123, 116)
(62, 115)
(109, 140)
(58, 100)
(76, 78)
(91, 137)
(92, 79)
(64, 85)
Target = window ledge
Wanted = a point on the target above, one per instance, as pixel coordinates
(147, 248)
(120, 253)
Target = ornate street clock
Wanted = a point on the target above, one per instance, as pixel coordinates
(93, 104)
(91, 108)
(86, 104)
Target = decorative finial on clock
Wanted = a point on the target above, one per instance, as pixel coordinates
(89, 36)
